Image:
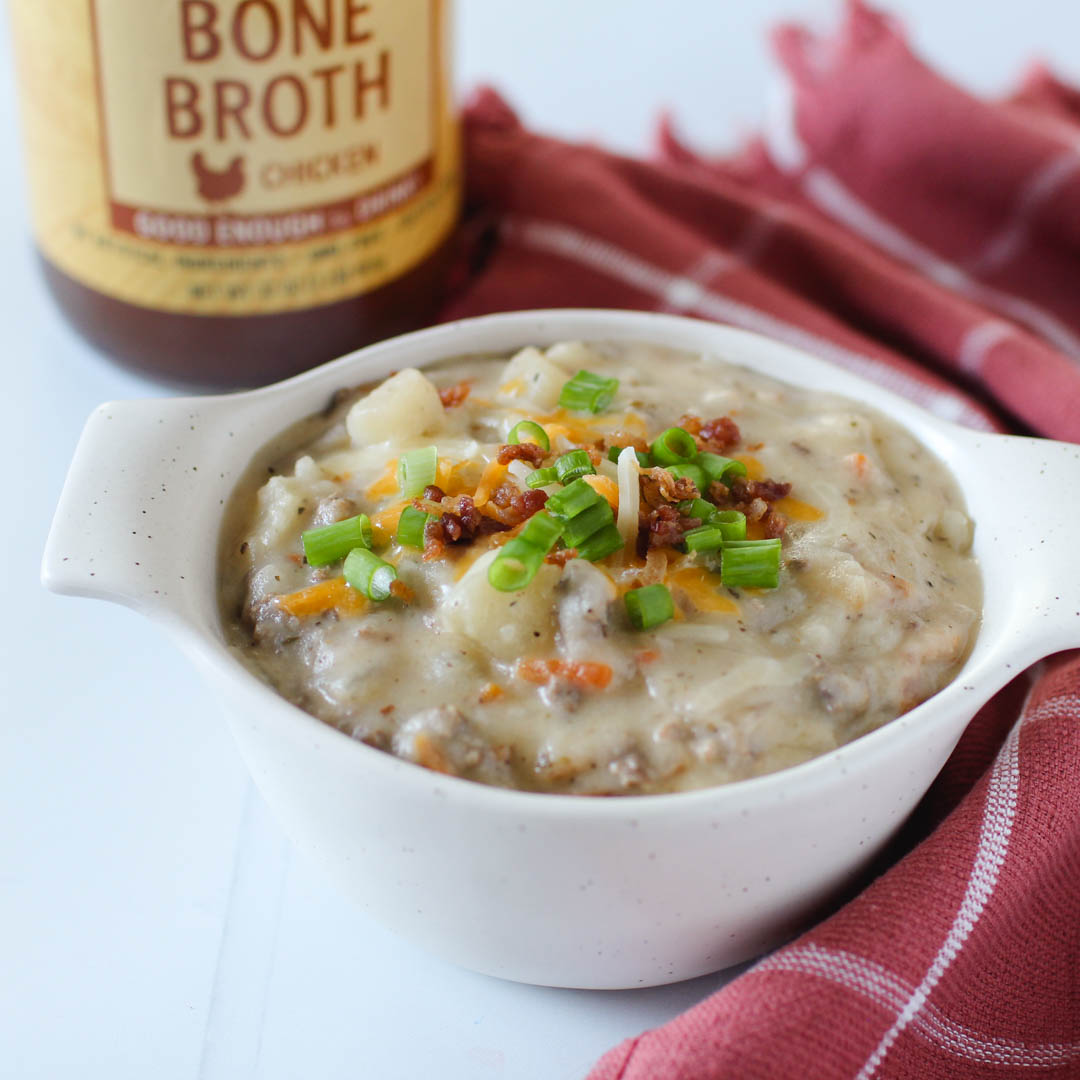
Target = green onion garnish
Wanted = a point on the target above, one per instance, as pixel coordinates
(674, 447)
(649, 607)
(519, 559)
(411, 525)
(541, 531)
(690, 472)
(416, 470)
(580, 527)
(368, 574)
(332, 542)
(717, 467)
(750, 563)
(587, 392)
(732, 523)
(601, 544)
(541, 478)
(572, 465)
(642, 459)
(704, 538)
(531, 430)
(572, 500)
(697, 508)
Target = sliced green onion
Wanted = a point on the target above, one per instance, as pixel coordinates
(704, 538)
(515, 566)
(674, 447)
(587, 392)
(332, 542)
(541, 531)
(572, 465)
(416, 470)
(572, 500)
(649, 607)
(751, 563)
(580, 527)
(697, 508)
(531, 430)
(601, 544)
(520, 558)
(732, 523)
(642, 459)
(541, 478)
(717, 467)
(367, 573)
(690, 472)
(411, 525)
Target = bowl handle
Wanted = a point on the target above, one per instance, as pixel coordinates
(142, 495)
(1034, 486)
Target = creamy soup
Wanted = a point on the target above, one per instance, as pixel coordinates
(663, 573)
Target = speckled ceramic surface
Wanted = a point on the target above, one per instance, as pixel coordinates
(562, 891)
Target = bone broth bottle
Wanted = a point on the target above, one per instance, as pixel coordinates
(229, 191)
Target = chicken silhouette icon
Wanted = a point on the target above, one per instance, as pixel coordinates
(218, 185)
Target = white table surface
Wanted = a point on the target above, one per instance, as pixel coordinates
(153, 921)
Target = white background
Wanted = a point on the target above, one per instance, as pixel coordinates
(153, 922)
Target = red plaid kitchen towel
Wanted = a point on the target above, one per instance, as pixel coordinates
(930, 241)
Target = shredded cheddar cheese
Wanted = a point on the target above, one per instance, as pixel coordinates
(387, 484)
(701, 588)
(334, 595)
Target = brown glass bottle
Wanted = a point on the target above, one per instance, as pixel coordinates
(229, 192)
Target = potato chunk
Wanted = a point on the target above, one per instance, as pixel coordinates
(508, 624)
(531, 377)
(404, 407)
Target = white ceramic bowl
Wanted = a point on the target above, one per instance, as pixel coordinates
(553, 889)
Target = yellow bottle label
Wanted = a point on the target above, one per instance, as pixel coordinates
(227, 157)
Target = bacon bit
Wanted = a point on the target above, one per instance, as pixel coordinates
(718, 493)
(386, 710)
(454, 395)
(402, 592)
(659, 487)
(490, 691)
(719, 435)
(492, 475)
(745, 489)
(434, 493)
(333, 595)
(584, 673)
(774, 525)
(387, 484)
(294, 557)
(510, 506)
(561, 556)
(662, 526)
(529, 452)
(647, 656)
(605, 486)
(689, 422)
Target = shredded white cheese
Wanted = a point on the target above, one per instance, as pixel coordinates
(519, 471)
(629, 496)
